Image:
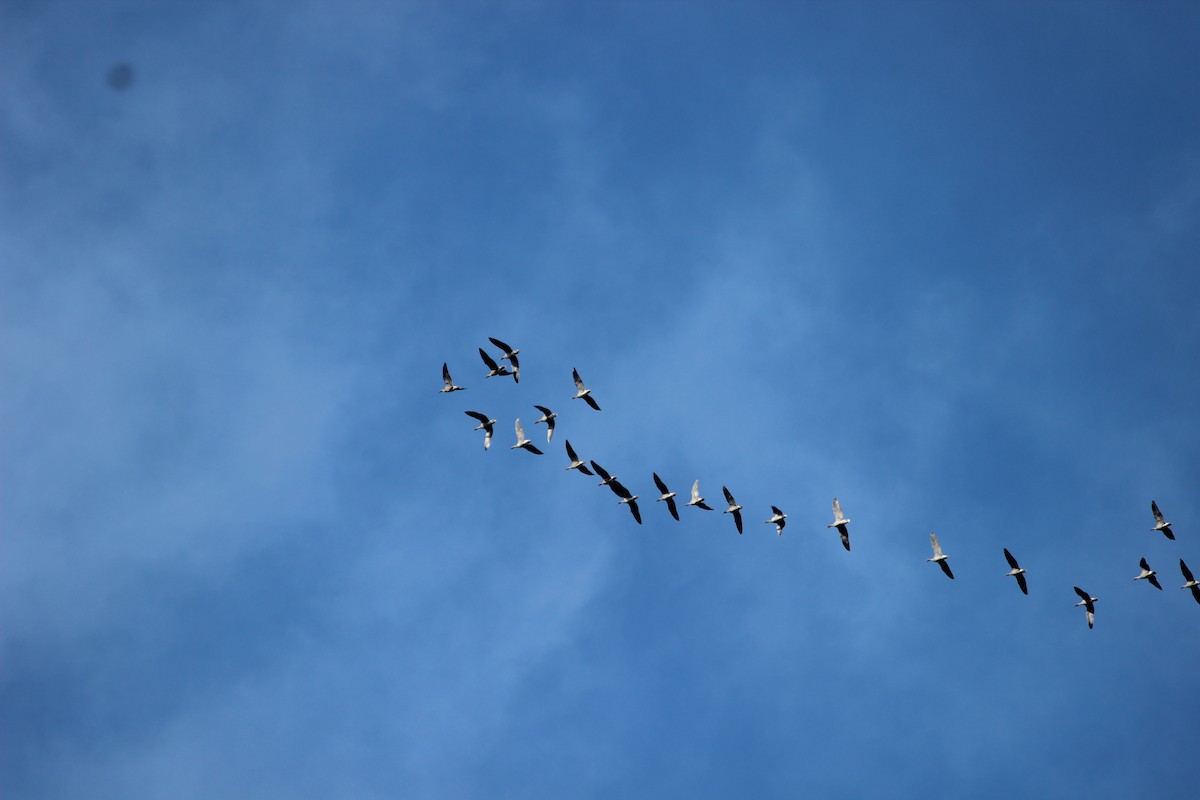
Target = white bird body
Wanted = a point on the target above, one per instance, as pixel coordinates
(778, 519)
(1016, 571)
(494, 369)
(667, 496)
(840, 522)
(939, 557)
(548, 418)
(697, 500)
(510, 353)
(1148, 575)
(449, 384)
(1191, 582)
(576, 461)
(1089, 604)
(582, 392)
(734, 509)
(522, 442)
(486, 425)
(1160, 524)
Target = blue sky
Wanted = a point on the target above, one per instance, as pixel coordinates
(935, 259)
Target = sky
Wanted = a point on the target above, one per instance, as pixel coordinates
(935, 259)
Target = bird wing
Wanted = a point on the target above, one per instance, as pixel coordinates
(545, 412)
(729, 496)
(634, 509)
(1154, 582)
(1144, 565)
(528, 446)
(1012, 562)
(737, 520)
(500, 344)
(578, 380)
(945, 565)
(1087, 598)
(619, 489)
(1021, 582)
(571, 452)
(483, 418)
(662, 487)
(696, 490)
(671, 507)
(937, 548)
(487, 359)
(600, 471)
(1091, 616)
(591, 401)
(845, 532)
(778, 513)
(1187, 573)
(446, 375)
(520, 431)
(487, 437)
(838, 516)
(1168, 533)
(1158, 517)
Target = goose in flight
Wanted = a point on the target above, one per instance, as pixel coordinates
(734, 509)
(548, 418)
(1089, 603)
(608, 480)
(667, 495)
(1192, 583)
(582, 391)
(522, 442)
(485, 425)
(840, 522)
(938, 557)
(449, 387)
(1016, 571)
(511, 354)
(576, 462)
(1148, 575)
(697, 500)
(627, 498)
(494, 368)
(778, 519)
(1160, 524)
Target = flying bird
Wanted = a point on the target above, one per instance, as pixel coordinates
(1089, 603)
(1016, 571)
(840, 522)
(1148, 574)
(608, 479)
(667, 495)
(582, 391)
(697, 500)
(1192, 583)
(548, 418)
(522, 442)
(939, 558)
(779, 519)
(627, 498)
(485, 425)
(1160, 524)
(511, 354)
(494, 368)
(449, 387)
(576, 463)
(734, 509)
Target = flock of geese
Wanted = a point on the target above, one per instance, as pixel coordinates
(779, 519)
